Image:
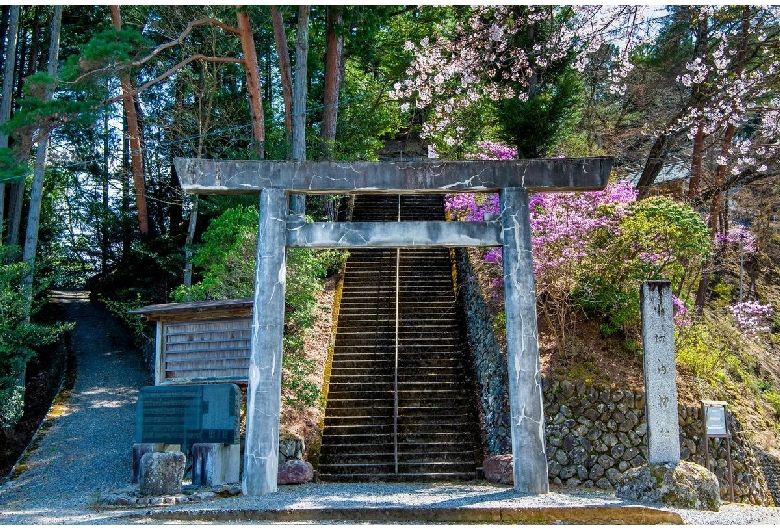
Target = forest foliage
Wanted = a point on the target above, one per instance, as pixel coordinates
(675, 94)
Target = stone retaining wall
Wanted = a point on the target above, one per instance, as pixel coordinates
(488, 359)
(771, 465)
(593, 433)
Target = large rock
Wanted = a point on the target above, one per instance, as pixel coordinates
(683, 485)
(499, 469)
(161, 473)
(295, 472)
(291, 447)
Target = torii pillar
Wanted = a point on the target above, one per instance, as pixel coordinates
(274, 180)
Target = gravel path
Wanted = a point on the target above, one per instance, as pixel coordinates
(84, 450)
(85, 446)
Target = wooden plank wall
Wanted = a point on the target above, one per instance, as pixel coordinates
(214, 350)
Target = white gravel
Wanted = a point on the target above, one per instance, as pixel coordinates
(86, 451)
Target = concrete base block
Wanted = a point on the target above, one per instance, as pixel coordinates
(215, 464)
(139, 450)
(161, 474)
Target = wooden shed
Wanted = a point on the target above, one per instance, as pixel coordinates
(201, 341)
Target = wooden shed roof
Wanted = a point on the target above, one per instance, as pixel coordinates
(211, 309)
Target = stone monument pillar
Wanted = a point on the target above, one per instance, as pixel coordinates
(663, 431)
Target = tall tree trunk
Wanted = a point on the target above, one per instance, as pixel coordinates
(654, 163)
(104, 236)
(720, 174)
(21, 53)
(334, 51)
(253, 85)
(697, 166)
(127, 233)
(36, 192)
(16, 189)
(134, 133)
(283, 52)
(298, 202)
(697, 162)
(4, 19)
(34, 60)
(8, 91)
(36, 195)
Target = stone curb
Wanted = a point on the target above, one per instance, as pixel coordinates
(537, 515)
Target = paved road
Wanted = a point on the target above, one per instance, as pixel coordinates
(85, 445)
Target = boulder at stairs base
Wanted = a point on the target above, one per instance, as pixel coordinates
(682, 485)
(295, 472)
(498, 469)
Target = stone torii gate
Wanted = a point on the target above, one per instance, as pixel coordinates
(275, 180)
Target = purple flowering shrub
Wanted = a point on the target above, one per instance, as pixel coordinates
(592, 249)
(737, 237)
(752, 318)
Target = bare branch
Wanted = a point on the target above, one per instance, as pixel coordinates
(173, 69)
(88, 74)
(183, 35)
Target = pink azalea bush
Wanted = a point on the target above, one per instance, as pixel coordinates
(593, 248)
(752, 317)
(736, 236)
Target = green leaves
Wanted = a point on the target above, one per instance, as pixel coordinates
(227, 257)
(113, 48)
(18, 337)
(656, 238)
(10, 167)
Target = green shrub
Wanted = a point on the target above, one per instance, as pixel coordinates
(772, 398)
(656, 238)
(701, 351)
(722, 292)
(227, 258)
(19, 337)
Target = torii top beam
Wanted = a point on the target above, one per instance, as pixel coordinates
(206, 177)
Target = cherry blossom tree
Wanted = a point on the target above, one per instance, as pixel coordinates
(505, 52)
(731, 110)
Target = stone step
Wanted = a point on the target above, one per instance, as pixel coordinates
(403, 477)
(404, 429)
(431, 387)
(408, 375)
(365, 322)
(404, 469)
(445, 418)
(455, 457)
(414, 394)
(405, 344)
(359, 367)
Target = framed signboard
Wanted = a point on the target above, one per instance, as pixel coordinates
(714, 423)
(715, 418)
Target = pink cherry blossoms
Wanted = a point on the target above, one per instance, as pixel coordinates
(480, 58)
(734, 85)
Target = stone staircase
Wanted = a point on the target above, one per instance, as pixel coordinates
(434, 436)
